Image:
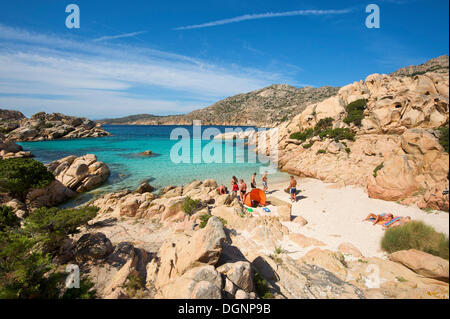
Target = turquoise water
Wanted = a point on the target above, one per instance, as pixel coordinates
(128, 169)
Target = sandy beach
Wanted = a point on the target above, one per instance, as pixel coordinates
(335, 216)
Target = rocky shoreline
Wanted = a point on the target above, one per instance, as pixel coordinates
(233, 255)
(42, 127)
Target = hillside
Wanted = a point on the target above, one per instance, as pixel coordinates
(437, 65)
(265, 107)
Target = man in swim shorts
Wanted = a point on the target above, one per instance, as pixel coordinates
(293, 189)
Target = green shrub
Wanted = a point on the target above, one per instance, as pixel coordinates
(302, 136)
(355, 112)
(26, 267)
(306, 146)
(323, 124)
(134, 286)
(261, 286)
(416, 235)
(51, 225)
(23, 267)
(321, 151)
(375, 171)
(8, 218)
(443, 137)
(190, 206)
(338, 134)
(348, 150)
(19, 175)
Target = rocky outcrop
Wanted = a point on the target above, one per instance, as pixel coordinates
(395, 153)
(43, 126)
(73, 175)
(9, 149)
(422, 263)
(80, 174)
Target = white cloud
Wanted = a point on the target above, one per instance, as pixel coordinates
(264, 16)
(80, 77)
(119, 36)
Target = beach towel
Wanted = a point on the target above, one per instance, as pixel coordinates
(392, 221)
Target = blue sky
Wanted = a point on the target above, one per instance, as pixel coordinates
(170, 57)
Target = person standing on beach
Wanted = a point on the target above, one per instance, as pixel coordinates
(234, 185)
(264, 181)
(293, 189)
(243, 190)
(253, 182)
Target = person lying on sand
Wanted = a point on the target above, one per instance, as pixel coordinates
(398, 221)
(381, 218)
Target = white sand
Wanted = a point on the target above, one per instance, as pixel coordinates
(335, 216)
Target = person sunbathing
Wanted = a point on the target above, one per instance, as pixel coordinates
(381, 218)
(398, 221)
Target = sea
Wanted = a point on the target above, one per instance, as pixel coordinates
(176, 161)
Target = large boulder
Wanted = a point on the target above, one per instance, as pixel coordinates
(202, 282)
(239, 273)
(80, 174)
(91, 247)
(422, 263)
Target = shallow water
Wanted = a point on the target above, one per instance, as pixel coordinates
(128, 169)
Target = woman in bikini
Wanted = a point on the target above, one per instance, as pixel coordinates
(234, 185)
(243, 190)
(381, 218)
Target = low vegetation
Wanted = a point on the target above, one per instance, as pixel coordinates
(190, 206)
(355, 112)
(27, 269)
(261, 286)
(19, 175)
(338, 134)
(443, 137)
(375, 171)
(321, 151)
(8, 218)
(416, 235)
(302, 136)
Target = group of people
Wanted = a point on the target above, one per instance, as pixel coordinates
(239, 186)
